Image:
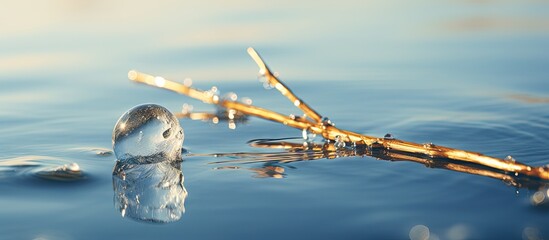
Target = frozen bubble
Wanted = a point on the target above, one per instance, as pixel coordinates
(147, 133)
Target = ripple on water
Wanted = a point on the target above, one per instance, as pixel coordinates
(41, 167)
(97, 151)
(522, 139)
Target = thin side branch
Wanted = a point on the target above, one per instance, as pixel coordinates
(282, 88)
(330, 132)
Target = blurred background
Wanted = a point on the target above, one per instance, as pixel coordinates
(350, 40)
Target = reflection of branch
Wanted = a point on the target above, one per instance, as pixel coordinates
(220, 115)
(324, 127)
(266, 171)
(295, 152)
(231, 116)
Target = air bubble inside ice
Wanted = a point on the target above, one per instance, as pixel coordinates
(147, 133)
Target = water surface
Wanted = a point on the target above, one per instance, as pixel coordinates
(465, 74)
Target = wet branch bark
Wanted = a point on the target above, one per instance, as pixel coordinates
(315, 123)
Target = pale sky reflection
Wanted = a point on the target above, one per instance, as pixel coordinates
(120, 35)
(27, 63)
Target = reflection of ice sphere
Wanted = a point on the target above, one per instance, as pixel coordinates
(149, 192)
(147, 133)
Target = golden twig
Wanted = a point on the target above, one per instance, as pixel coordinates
(282, 88)
(300, 152)
(327, 130)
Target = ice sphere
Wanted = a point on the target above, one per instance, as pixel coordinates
(149, 192)
(147, 133)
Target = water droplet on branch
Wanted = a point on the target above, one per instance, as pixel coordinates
(307, 135)
(428, 145)
(186, 108)
(327, 122)
(388, 136)
(231, 96)
(159, 81)
(188, 82)
(339, 143)
(247, 101)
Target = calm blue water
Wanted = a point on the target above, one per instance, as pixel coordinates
(466, 74)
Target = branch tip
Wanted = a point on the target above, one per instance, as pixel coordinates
(258, 60)
(132, 75)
